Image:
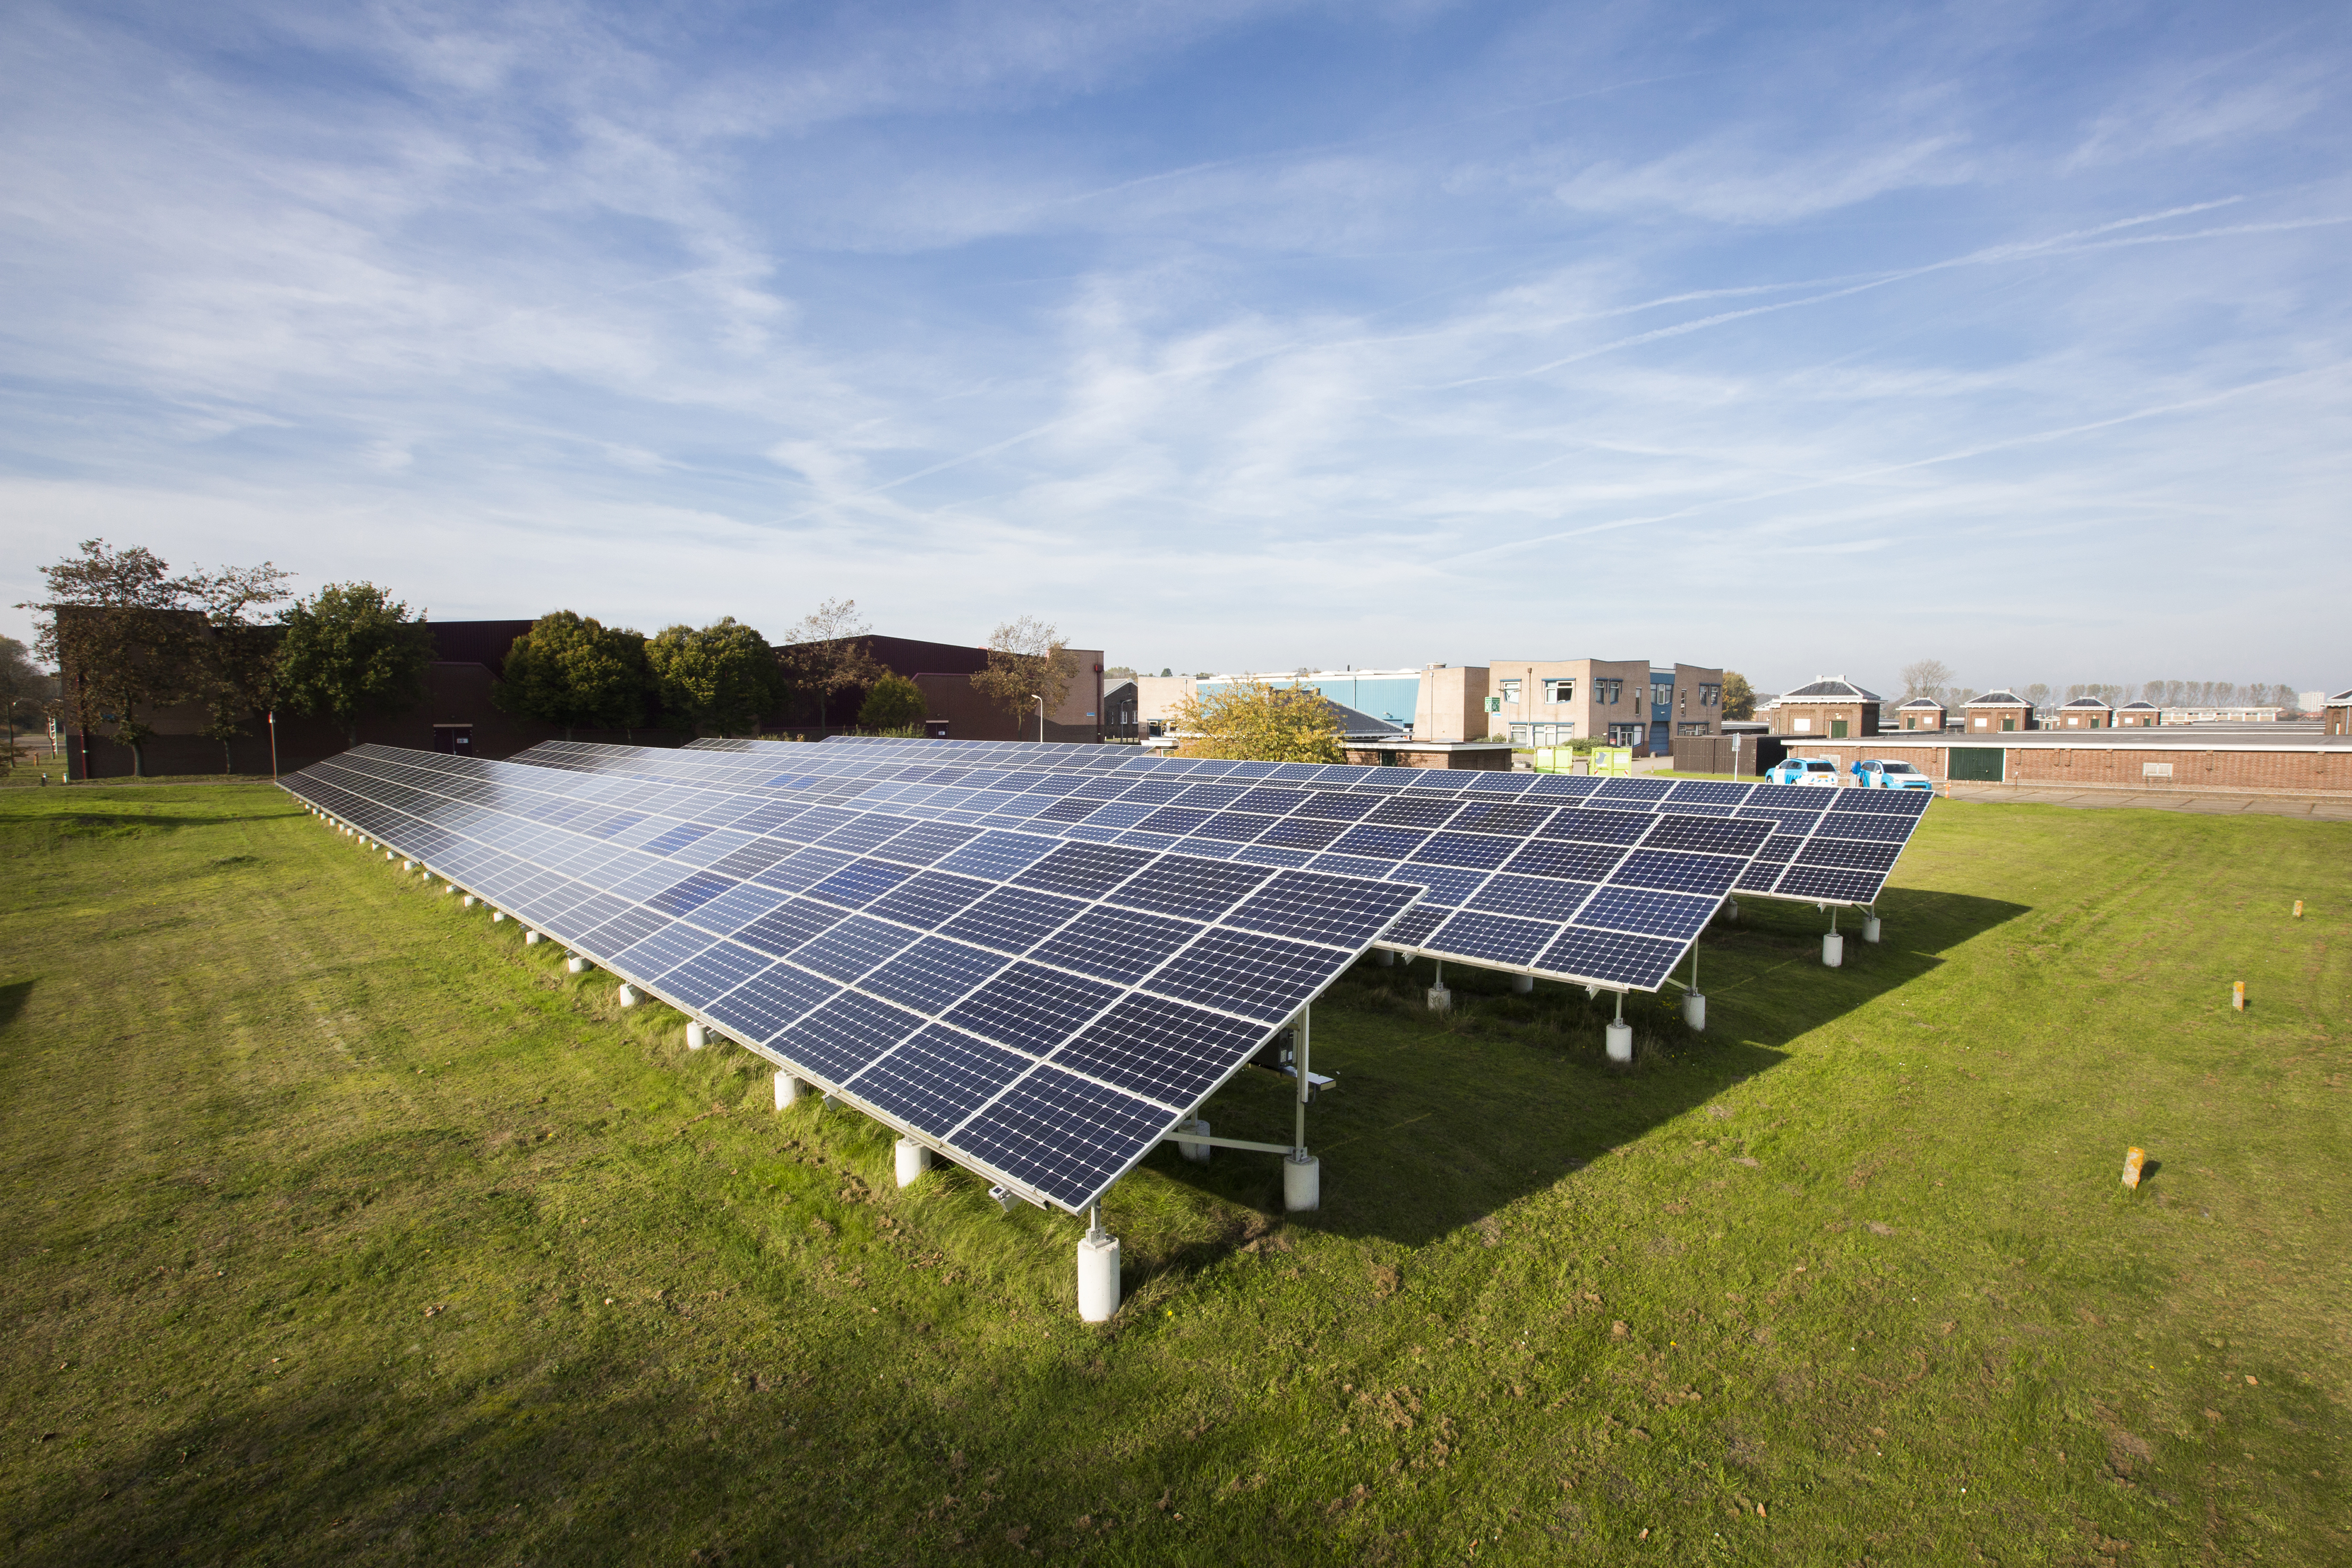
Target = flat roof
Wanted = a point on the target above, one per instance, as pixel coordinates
(2176, 737)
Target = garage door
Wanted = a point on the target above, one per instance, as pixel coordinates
(1981, 764)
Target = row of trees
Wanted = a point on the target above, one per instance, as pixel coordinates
(724, 678)
(138, 637)
(1932, 678)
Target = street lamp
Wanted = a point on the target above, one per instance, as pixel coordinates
(1041, 716)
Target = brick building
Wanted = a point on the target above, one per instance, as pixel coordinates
(2138, 715)
(2336, 713)
(1920, 713)
(1999, 713)
(2085, 713)
(1832, 707)
(2120, 758)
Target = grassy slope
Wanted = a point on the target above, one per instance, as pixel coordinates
(344, 1227)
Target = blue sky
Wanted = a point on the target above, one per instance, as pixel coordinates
(1799, 338)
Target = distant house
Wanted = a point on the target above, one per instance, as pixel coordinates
(2138, 716)
(1831, 709)
(2086, 712)
(1997, 711)
(2338, 713)
(1920, 713)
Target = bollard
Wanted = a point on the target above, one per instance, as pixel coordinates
(694, 1036)
(1621, 1044)
(912, 1159)
(2298, 909)
(1694, 1011)
(1870, 929)
(1302, 1183)
(628, 995)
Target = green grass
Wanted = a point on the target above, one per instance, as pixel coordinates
(343, 1229)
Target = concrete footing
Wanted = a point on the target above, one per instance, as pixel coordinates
(532, 939)
(696, 1036)
(1196, 1151)
(1441, 1000)
(628, 995)
(1387, 959)
(409, 865)
(467, 902)
(1870, 929)
(912, 1160)
(1833, 948)
(497, 916)
(1621, 1044)
(1522, 984)
(1001, 1199)
(1731, 909)
(1694, 1011)
(577, 964)
(1097, 1279)
(1302, 1184)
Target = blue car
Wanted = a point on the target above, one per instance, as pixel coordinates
(1821, 772)
(1878, 773)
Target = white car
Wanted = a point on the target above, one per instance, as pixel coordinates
(1820, 771)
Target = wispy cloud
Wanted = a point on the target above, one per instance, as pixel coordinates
(1228, 335)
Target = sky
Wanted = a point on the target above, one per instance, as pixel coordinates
(1802, 339)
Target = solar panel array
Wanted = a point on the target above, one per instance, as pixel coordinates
(1829, 846)
(1043, 1010)
(1546, 887)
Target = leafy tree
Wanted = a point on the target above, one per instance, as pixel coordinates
(22, 684)
(722, 678)
(1252, 721)
(117, 627)
(235, 670)
(1738, 696)
(572, 670)
(825, 652)
(351, 651)
(1026, 660)
(894, 703)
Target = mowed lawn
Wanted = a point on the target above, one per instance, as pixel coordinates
(342, 1227)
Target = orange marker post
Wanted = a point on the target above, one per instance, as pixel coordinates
(2132, 1160)
(2298, 909)
(2237, 994)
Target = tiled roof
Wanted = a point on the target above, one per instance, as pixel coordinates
(2128, 706)
(1921, 702)
(1997, 699)
(1832, 689)
(2091, 702)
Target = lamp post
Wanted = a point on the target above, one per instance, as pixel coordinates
(273, 743)
(1041, 716)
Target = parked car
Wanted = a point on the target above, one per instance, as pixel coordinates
(1881, 773)
(1820, 771)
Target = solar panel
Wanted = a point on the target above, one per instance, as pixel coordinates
(1841, 820)
(1045, 1011)
(1549, 862)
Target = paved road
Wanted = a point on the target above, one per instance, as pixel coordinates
(2315, 808)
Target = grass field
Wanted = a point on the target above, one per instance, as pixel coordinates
(343, 1229)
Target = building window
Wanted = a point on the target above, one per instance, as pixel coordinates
(1710, 696)
(1607, 692)
(1802, 725)
(1698, 728)
(1510, 691)
(1560, 689)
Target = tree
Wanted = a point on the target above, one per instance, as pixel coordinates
(235, 670)
(825, 652)
(117, 627)
(1252, 721)
(2037, 695)
(573, 670)
(22, 682)
(722, 678)
(352, 651)
(1026, 660)
(1738, 696)
(1925, 678)
(894, 703)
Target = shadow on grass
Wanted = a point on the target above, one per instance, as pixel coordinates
(1440, 1123)
(12, 1000)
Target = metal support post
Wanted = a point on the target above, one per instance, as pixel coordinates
(1302, 1173)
